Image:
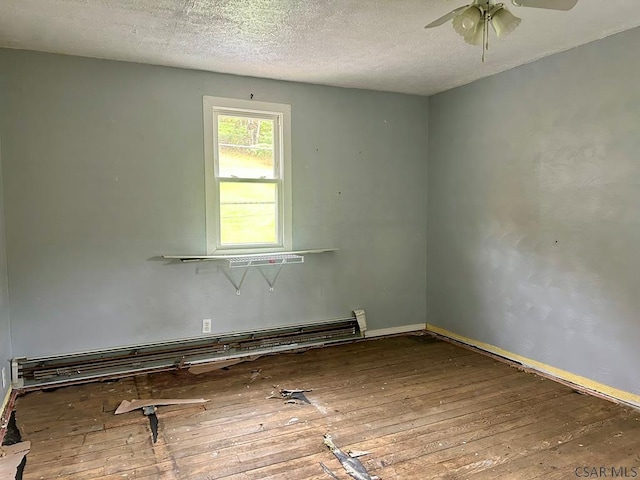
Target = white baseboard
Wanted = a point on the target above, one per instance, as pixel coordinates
(381, 332)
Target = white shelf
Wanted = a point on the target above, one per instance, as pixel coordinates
(258, 260)
(202, 258)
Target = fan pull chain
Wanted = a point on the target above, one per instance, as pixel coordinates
(485, 36)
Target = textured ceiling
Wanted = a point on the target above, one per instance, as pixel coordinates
(371, 44)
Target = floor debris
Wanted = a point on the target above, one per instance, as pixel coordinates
(12, 460)
(291, 396)
(329, 472)
(357, 453)
(210, 367)
(352, 465)
(150, 408)
(13, 451)
(129, 406)
(12, 433)
(150, 412)
(220, 364)
(295, 396)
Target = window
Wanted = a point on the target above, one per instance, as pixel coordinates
(248, 179)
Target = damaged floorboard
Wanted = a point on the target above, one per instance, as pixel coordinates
(423, 408)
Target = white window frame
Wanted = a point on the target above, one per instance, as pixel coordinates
(213, 106)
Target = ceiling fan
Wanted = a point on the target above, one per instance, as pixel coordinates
(472, 21)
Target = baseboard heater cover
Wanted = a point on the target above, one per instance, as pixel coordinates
(36, 373)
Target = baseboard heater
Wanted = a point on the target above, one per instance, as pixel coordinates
(36, 373)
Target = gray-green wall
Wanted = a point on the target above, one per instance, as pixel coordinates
(104, 170)
(534, 211)
(533, 207)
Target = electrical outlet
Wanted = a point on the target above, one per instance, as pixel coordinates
(206, 325)
(4, 377)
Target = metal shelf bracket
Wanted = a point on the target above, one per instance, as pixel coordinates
(277, 260)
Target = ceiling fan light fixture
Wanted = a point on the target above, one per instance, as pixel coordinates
(503, 21)
(467, 21)
(469, 24)
(477, 36)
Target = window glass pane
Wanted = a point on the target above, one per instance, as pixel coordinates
(245, 147)
(248, 213)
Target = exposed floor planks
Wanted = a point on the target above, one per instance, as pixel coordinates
(424, 408)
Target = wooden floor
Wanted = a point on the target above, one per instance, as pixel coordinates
(424, 408)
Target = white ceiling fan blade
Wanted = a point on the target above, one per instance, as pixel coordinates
(445, 18)
(548, 4)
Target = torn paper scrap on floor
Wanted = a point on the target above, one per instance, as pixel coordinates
(328, 471)
(352, 466)
(357, 453)
(295, 396)
(291, 396)
(129, 406)
(11, 457)
(200, 368)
